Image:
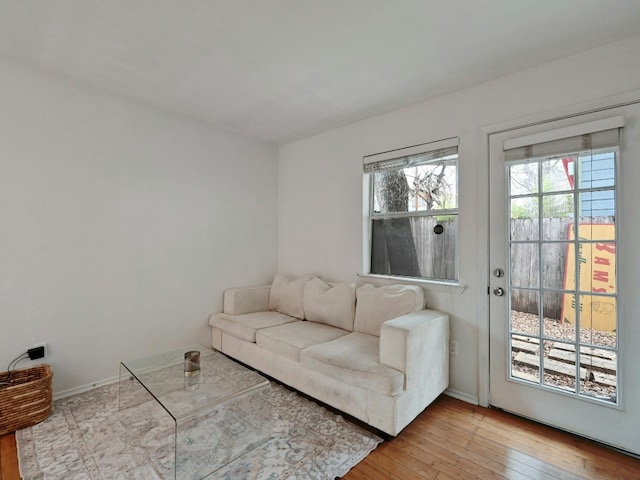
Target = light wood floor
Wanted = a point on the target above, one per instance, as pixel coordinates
(8, 458)
(455, 440)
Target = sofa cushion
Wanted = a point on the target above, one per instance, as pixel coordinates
(245, 326)
(286, 295)
(377, 304)
(288, 340)
(333, 304)
(353, 359)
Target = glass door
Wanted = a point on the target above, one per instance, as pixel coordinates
(555, 321)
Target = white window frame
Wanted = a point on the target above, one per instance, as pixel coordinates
(451, 286)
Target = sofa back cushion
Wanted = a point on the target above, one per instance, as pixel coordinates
(377, 304)
(330, 303)
(286, 295)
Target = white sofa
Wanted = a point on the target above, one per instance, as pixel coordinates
(371, 351)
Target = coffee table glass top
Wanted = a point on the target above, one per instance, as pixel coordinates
(182, 396)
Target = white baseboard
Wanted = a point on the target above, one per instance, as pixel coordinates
(84, 388)
(462, 396)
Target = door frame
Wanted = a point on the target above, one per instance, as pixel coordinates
(563, 113)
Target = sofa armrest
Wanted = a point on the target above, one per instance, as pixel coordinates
(416, 343)
(241, 300)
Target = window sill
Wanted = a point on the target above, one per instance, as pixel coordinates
(430, 285)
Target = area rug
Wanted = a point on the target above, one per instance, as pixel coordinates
(88, 438)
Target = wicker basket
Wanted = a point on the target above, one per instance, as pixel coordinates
(25, 397)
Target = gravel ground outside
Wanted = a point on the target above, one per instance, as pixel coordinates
(559, 334)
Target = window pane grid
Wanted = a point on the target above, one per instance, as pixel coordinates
(578, 345)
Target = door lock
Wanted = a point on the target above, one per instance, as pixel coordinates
(498, 292)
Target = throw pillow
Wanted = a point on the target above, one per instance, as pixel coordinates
(330, 303)
(286, 295)
(377, 304)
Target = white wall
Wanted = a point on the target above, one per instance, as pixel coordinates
(320, 180)
(120, 224)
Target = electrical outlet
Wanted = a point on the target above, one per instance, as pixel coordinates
(453, 348)
(37, 346)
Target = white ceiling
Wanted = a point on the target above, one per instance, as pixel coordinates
(280, 70)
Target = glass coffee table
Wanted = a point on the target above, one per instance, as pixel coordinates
(219, 413)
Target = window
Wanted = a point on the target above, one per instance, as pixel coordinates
(413, 211)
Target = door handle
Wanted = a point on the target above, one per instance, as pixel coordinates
(498, 292)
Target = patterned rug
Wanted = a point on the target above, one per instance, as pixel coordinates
(88, 438)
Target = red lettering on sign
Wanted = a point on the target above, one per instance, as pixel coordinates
(600, 276)
(607, 247)
(601, 261)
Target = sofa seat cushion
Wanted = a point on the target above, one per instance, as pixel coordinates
(246, 325)
(354, 359)
(288, 340)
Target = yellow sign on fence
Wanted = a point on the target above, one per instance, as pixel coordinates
(597, 268)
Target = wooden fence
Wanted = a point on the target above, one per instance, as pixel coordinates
(436, 252)
(525, 263)
(438, 260)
